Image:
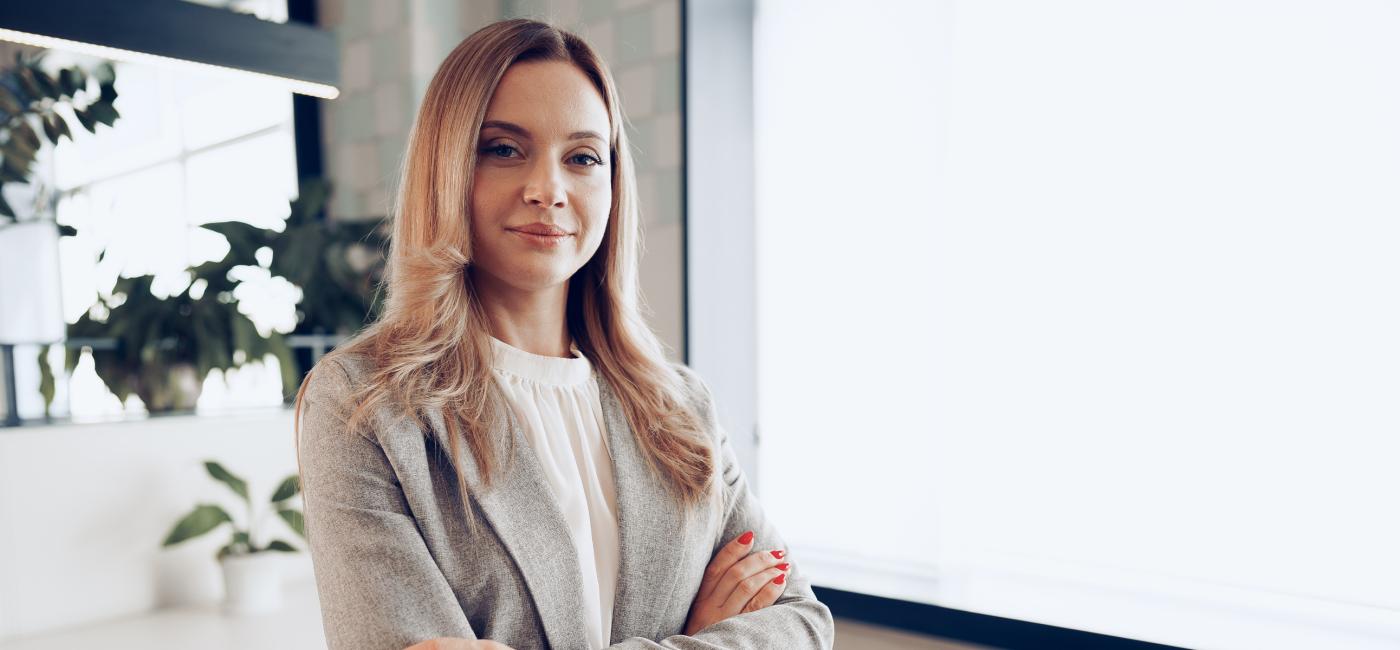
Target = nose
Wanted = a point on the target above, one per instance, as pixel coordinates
(545, 187)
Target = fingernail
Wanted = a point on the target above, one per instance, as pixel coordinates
(777, 554)
(782, 577)
(746, 537)
(783, 566)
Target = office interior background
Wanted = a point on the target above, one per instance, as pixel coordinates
(1036, 324)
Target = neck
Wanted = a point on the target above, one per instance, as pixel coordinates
(533, 321)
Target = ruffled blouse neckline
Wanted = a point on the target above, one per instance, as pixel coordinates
(557, 371)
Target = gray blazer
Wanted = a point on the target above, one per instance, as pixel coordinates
(395, 562)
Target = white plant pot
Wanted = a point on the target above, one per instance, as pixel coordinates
(252, 583)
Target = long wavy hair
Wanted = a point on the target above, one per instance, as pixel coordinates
(430, 347)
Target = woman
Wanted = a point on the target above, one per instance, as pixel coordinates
(506, 458)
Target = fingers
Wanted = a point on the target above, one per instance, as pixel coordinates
(748, 588)
(742, 570)
(455, 643)
(768, 593)
(491, 645)
(732, 552)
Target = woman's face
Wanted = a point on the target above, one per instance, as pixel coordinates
(542, 162)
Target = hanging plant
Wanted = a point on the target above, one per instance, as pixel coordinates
(33, 101)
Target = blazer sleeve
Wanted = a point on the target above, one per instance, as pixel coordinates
(379, 586)
(797, 621)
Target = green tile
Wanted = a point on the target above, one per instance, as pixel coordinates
(633, 36)
(594, 9)
(390, 150)
(354, 20)
(524, 9)
(354, 116)
(667, 81)
(389, 56)
(639, 135)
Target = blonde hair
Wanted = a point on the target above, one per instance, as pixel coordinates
(430, 347)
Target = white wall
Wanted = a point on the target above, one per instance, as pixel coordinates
(1082, 312)
(85, 507)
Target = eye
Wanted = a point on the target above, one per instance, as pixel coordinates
(586, 159)
(499, 150)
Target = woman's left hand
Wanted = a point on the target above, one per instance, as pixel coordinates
(736, 582)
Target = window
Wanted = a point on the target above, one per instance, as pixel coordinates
(190, 148)
(1083, 313)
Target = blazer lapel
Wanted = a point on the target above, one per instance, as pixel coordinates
(651, 531)
(525, 515)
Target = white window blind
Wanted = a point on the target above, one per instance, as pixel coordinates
(1087, 313)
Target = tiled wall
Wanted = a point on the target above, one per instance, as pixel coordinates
(390, 49)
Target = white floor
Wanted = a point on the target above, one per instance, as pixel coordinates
(298, 626)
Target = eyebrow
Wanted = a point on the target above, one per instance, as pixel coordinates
(525, 133)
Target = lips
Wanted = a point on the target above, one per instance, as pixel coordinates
(541, 229)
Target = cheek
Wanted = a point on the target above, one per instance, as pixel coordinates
(597, 203)
(485, 197)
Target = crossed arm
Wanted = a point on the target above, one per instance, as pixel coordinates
(738, 580)
(746, 598)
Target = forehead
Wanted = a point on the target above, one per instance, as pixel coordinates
(550, 99)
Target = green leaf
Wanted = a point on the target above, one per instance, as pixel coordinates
(103, 112)
(62, 125)
(204, 518)
(288, 489)
(294, 519)
(9, 102)
(291, 376)
(9, 175)
(25, 140)
(244, 240)
(279, 545)
(28, 84)
(51, 127)
(311, 197)
(14, 168)
(105, 73)
(68, 81)
(85, 119)
(47, 85)
(219, 473)
(46, 383)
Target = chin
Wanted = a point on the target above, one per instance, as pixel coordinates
(537, 281)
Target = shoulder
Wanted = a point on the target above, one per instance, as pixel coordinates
(336, 381)
(692, 381)
(697, 391)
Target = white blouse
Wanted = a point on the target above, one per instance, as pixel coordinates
(556, 401)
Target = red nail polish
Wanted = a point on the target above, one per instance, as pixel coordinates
(746, 537)
(777, 554)
(782, 577)
(783, 566)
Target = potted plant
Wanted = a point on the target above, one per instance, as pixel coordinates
(165, 347)
(336, 264)
(252, 576)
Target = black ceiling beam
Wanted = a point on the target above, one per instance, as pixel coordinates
(184, 30)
